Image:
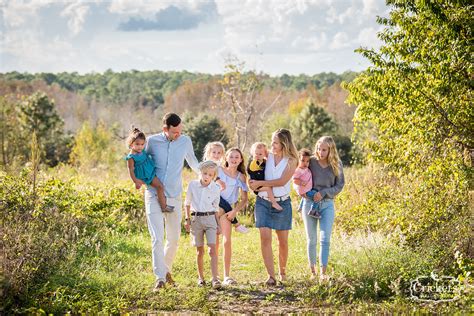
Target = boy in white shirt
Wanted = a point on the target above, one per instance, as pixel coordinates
(202, 204)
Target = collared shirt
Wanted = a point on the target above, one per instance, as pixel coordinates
(203, 198)
(168, 157)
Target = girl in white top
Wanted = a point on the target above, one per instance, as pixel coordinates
(234, 176)
(214, 151)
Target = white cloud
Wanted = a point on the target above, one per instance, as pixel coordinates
(76, 12)
(18, 13)
(340, 40)
(370, 7)
(314, 43)
(279, 35)
(368, 37)
(150, 7)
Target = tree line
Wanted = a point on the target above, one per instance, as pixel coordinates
(150, 88)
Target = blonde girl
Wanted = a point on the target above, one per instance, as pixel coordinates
(214, 151)
(328, 180)
(234, 176)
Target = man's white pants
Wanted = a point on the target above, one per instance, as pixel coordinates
(158, 223)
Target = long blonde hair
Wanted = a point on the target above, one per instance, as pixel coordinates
(333, 156)
(208, 148)
(288, 148)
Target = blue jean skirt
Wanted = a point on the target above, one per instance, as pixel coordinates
(267, 216)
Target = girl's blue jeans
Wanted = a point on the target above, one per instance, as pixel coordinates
(325, 228)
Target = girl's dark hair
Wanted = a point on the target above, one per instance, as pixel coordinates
(305, 152)
(135, 134)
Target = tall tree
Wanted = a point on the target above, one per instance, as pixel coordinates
(310, 124)
(37, 115)
(418, 93)
(415, 117)
(204, 129)
(239, 92)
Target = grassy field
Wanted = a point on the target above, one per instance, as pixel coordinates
(108, 269)
(367, 274)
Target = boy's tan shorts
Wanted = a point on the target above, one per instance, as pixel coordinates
(201, 225)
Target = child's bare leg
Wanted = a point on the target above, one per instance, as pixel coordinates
(200, 262)
(220, 212)
(160, 190)
(213, 255)
(271, 197)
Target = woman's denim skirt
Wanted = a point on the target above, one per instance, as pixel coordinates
(267, 216)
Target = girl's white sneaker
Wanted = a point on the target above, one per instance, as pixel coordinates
(242, 229)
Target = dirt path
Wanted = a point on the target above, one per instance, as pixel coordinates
(257, 298)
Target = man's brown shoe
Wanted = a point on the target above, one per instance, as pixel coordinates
(169, 279)
(158, 286)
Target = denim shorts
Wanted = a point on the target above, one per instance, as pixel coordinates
(267, 216)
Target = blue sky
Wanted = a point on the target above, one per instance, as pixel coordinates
(272, 36)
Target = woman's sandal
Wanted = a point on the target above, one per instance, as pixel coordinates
(229, 281)
(271, 281)
(216, 284)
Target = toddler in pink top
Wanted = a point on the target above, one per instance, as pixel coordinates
(303, 183)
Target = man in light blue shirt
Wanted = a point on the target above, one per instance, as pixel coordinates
(168, 150)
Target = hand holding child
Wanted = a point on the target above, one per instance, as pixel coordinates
(254, 184)
(231, 215)
(317, 197)
(221, 184)
(139, 183)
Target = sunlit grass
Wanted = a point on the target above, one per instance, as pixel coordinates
(369, 272)
(117, 276)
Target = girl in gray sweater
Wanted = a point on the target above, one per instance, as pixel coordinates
(328, 181)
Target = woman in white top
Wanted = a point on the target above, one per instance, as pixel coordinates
(279, 169)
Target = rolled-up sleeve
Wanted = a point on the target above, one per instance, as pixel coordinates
(191, 157)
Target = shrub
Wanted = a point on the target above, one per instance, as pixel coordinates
(41, 229)
(94, 147)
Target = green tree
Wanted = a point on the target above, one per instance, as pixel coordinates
(12, 141)
(310, 124)
(38, 115)
(415, 114)
(202, 130)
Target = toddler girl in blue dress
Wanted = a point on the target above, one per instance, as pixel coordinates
(142, 169)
